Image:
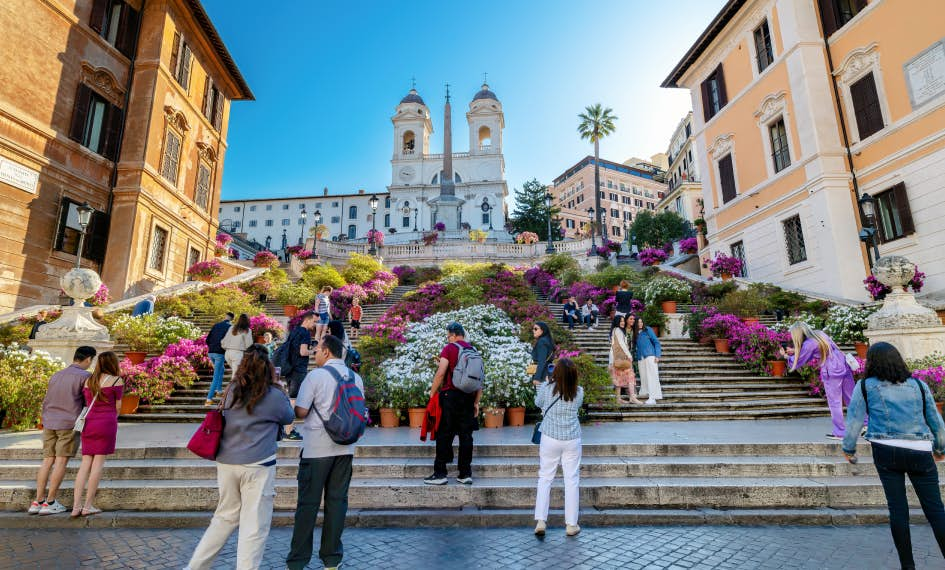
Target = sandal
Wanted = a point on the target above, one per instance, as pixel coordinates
(89, 511)
(76, 512)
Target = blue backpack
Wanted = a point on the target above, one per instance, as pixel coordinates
(348, 415)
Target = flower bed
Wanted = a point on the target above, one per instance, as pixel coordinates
(342, 299)
(148, 333)
(265, 259)
(206, 270)
(847, 324)
(23, 380)
(652, 256)
(194, 351)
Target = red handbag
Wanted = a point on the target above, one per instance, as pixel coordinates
(205, 442)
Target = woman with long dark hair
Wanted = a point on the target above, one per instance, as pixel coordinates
(620, 362)
(236, 341)
(102, 391)
(254, 410)
(907, 436)
(542, 351)
(560, 401)
(647, 351)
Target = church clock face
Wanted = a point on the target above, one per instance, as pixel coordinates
(406, 173)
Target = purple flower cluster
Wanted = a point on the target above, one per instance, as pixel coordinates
(755, 344)
(543, 280)
(878, 291)
(652, 256)
(263, 323)
(721, 325)
(195, 351)
(404, 272)
(689, 245)
(439, 226)
(725, 264)
(377, 288)
(342, 299)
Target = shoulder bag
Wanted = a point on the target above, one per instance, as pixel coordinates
(536, 433)
(621, 359)
(205, 442)
(80, 421)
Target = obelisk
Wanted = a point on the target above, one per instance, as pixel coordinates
(447, 187)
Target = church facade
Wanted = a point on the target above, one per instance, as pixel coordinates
(463, 190)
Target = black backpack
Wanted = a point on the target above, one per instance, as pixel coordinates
(353, 359)
(282, 357)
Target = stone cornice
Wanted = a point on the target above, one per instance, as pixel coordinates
(104, 82)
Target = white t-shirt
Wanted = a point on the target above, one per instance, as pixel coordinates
(319, 386)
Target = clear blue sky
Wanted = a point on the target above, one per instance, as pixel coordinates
(328, 74)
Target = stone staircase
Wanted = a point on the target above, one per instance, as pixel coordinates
(651, 482)
(371, 313)
(699, 384)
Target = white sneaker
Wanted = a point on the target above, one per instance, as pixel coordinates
(650, 402)
(540, 528)
(572, 530)
(53, 508)
(35, 507)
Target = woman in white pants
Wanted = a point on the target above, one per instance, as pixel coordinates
(236, 341)
(647, 351)
(254, 410)
(560, 401)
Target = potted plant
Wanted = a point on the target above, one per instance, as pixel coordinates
(206, 270)
(848, 325)
(879, 291)
(375, 237)
(701, 225)
(666, 291)
(759, 348)
(521, 393)
(439, 227)
(652, 256)
(430, 238)
(222, 246)
(260, 287)
(392, 399)
(931, 370)
(720, 327)
(478, 236)
(318, 231)
(265, 258)
(262, 324)
(654, 318)
(746, 303)
(725, 266)
(417, 394)
(292, 296)
(689, 245)
(136, 332)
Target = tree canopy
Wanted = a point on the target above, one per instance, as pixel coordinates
(531, 213)
(655, 230)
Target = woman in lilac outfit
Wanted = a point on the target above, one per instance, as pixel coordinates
(835, 373)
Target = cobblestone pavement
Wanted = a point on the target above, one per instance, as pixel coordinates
(662, 547)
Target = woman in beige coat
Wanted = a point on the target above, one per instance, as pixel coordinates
(236, 341)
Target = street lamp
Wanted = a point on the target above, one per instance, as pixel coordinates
(868, 233)
(626, 232)
(304, 215)
(590, 214)
(416, 212)
(317, 219)
(373, 203)
(487, 209)
(85, 216)
(549, 249)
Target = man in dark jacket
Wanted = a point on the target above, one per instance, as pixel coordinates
(214, 337)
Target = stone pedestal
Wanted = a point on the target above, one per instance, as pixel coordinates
(676, 326)
(911, 343)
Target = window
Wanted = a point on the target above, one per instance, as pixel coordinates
(352, 231)
(268, 207)
(794, 240)
(202, 190)
(96, 123)
(628, 216)
(895, 216)
(352, 212)
(301, 206)
(117, 22)
(334, 204)
(237, 208)
(318, 205)
(171, 159)
(252, 223)
(780, 155)
(268, 223)
(213, 101)
(158, 249)
(834, 14)
(252, 208)
(738, 252)
(285, 221)
(679, 205)
(869, 116)
(569, 223)
(387, 202)
(615, 231)
(406, 222)
(236, 225)
(67, 235)
(614, 197)
(386, 220)
(285, 206)
(763, 49)
(638, 203)
(180, 61)
(193, 256)
(603, 195)
(335, 219)
(485, 217)
(727, 178)
(614, 213)
(713, 93)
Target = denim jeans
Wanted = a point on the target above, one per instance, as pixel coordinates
(590, 320)
(571, 318)
(327, 477)
(217, 384)
(892, 464)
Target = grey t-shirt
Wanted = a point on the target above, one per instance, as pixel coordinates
(319, 386)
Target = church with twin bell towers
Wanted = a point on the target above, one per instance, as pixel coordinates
(462, 190)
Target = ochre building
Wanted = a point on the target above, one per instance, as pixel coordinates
(123, 105)
(800, 108)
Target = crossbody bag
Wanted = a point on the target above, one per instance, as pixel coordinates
(536, 433)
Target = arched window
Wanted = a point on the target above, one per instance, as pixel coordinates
(352, 212)
(387, 202)
(485, 137)
(436, 177)
(352, 231)
(456, 177)
(409, 142)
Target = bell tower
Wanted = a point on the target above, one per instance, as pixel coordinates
(486, 122)
(412, 127)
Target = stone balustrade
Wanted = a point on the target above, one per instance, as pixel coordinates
(420, 254)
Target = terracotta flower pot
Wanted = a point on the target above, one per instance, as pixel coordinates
(416, 417)
(721, 345)
(260, 339)
(861, 348)
(493, 417)
(290, 310)
(705, 340)
(726, 276)
(136, 356)
(389, 418)
(777, 367)
(939, 406)
(668, 306)
(516, 415)
(750, 320)
(129, 404)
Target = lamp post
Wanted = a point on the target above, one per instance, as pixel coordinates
(590, 214)
(549, 249)
(304, 215)
(85, 216)
(487, 209)
(626, 232)
(416, 212)
(317, 218)
(373, 240)
(868, 233)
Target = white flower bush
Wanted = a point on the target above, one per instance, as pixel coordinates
(407, 376)
(811, 319)
(846, 324)
(666, 288)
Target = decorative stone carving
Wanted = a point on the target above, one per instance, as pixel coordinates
(104, 82)
(176, 119)
(722, 145)
(80, 284)
(76, 327)
(856, 61)
(206, 151)
(771, 106)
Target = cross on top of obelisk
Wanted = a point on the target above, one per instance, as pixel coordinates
(485, 77)
(447, 92)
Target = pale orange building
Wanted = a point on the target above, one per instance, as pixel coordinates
(801, 107)
(125, 109)
(624, 191)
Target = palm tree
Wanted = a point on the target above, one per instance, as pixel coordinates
(596, 123)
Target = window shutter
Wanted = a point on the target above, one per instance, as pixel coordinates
(869, 118)
(902, 206)
(218, 101)
(207, 91)
(828, 17)
(720, 80)
(175, 56)
(127, 31)
(706, 110)
(727, 178)
(61, 228)
(112, 130)
(185, 67)
(860, 5)
(80, 113)
(97, 240)
(97, 20)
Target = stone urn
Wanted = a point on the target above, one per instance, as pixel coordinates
(80, 284)
(76, 327)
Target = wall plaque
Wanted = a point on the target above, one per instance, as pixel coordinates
(17, 175)
(925, 75)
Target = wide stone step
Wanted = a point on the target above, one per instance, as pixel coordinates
(694, 386)
(647, 414)
(687, 395)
